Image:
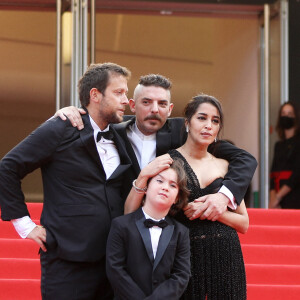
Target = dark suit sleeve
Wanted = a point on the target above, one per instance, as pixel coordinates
(174, 287)
(30, 154)
(241, 169)
(123, 285)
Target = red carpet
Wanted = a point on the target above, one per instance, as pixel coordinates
(271, 250)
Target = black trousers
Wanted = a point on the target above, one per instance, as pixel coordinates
(68, 280)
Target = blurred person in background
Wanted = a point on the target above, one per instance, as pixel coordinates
(285, 171)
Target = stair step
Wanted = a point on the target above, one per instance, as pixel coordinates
(268, 235)
(273, 274)
(7, 230)
(274, 292)
(20, 289)
(20, 268)
(271, 254)
(18, 248)
(283, 217)
(35, 210)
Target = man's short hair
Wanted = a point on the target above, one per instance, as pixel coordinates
(155, 80)
(97, 76)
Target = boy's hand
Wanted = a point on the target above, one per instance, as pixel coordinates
(73, 114)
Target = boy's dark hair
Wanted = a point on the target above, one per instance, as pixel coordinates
(155, 80)
(183, 192)
(97, 76)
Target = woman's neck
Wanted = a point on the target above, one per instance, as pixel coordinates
(193, 150)
(288, 133)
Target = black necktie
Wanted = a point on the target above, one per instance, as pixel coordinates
(108, 135)
(150, 223)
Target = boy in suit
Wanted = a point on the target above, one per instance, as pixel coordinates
(148, 252)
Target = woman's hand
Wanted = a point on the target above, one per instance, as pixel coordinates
(194, 210)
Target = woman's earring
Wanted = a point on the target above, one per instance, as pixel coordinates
(215, 139)
(187, 128)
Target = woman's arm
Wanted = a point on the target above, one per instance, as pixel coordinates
(136, 195)
(238, 219)
(275, 198)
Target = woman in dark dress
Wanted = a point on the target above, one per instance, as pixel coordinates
(285, 171)
(217, 265)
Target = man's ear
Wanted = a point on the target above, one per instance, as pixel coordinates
(95, 95)
(170, 109)
(132, 105)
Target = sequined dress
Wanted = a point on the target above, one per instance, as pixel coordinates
(217, 264)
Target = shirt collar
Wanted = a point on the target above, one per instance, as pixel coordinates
(148, 217)
(96, 127)
(143, 137)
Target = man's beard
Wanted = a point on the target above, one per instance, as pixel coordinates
(114, 118)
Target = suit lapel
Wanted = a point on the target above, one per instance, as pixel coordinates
(121, 128)
(125, 161)
(145, 234)
(87, 138)
(163, 140)
(164, 241)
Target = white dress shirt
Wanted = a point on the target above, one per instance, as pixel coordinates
(144, 146)
(107, 150)
(155, 233)
(110, 159)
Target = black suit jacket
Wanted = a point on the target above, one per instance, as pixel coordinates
(131, 268)
(172, 135)
(79, 203)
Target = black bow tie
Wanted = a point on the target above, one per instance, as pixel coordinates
(108, 135)
(150, 223)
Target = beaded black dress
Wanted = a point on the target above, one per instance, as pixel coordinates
(217, 265)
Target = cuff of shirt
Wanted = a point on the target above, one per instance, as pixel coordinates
(23, 226)
(224, 190)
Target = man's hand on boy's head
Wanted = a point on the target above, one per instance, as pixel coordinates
(156, 166)
(73, 114)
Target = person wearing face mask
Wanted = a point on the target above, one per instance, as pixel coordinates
(285, 171)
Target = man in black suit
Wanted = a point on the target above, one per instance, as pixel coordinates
(148, 252)
(151, 133)
(83, 175)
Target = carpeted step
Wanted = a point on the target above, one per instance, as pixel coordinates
(20, 268)
(273, 274)
(7, 230)
(272, 292)
(18, 248)
(268, 235)
(35, 210)
(283, 217)
(20, 289)
(271, 254)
